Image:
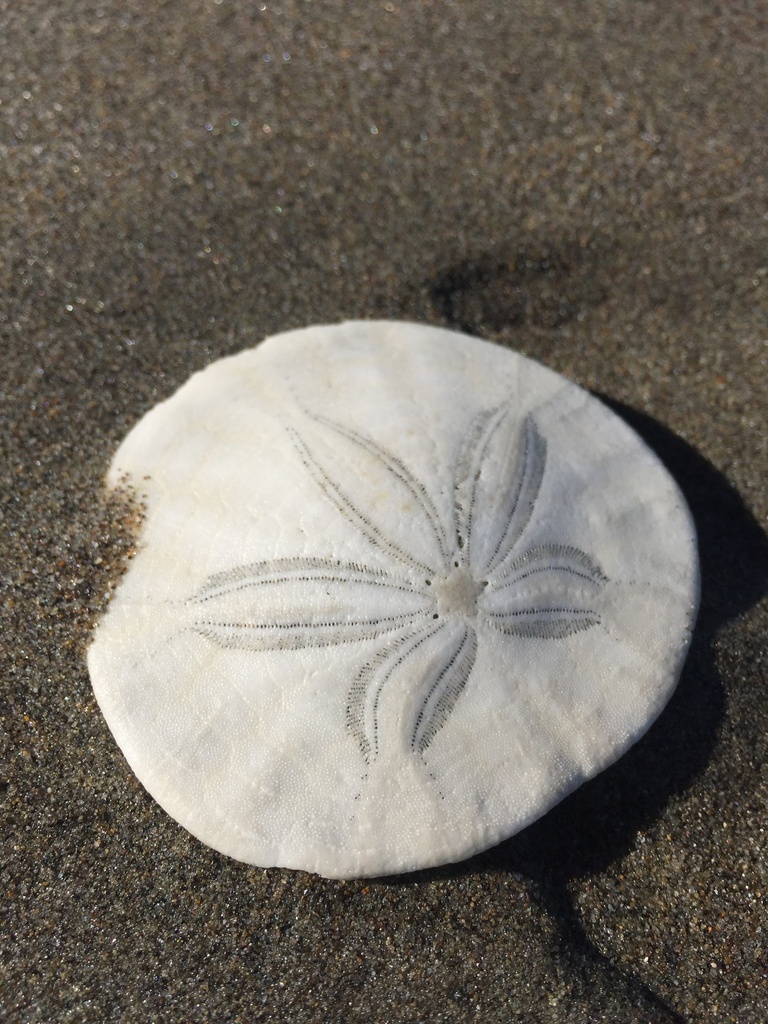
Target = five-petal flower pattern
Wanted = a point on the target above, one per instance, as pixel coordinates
(463, 578)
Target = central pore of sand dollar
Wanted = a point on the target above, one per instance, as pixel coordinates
(457, 594)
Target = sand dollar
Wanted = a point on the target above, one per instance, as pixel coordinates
(398, 591)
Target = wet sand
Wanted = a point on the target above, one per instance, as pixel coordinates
(583, 183)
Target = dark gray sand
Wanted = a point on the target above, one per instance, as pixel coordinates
(585, 182)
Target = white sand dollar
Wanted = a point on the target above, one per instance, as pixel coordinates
(398, 592)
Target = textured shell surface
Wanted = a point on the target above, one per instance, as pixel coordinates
(397, 592)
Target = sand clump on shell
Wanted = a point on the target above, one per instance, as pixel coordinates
(397, 592)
